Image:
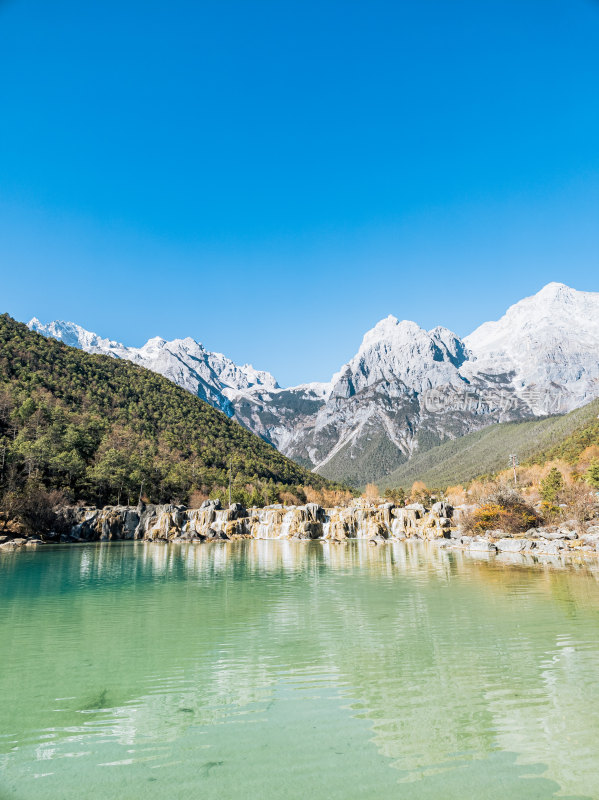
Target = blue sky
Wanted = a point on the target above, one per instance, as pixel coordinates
(272, 178)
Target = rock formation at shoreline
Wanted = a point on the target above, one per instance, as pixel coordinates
(374, 523)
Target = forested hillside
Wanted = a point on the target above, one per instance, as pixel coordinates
(487, 451)
(102, 430)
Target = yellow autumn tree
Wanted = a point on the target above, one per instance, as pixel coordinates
(455, 495)
(418, 491)
(371, 493)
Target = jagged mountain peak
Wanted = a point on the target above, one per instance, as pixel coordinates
(72, 334)
(155, 341)
(555, 292)
(393, 336)
(390, 330)
(556, 307)
(212, 376)
(397, 340)
(554, 288)
(401, 354)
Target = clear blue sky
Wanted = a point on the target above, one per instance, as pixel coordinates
(272, 178)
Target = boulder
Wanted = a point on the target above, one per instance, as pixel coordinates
(308, 530)
(555, 535)
(236, 511)
(442, 509)
(593, 529)
(418, 508)
(13, 543)
(215, 535)
(482, 546)
(568, 533)
(548, 548)
(315, 512)
(215, 504)
(510, 545)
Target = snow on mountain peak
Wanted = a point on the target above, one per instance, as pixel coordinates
(390, 335)
(553, 286)
(72, 334)
(212, 376)
(154, 342)
(555, 309)
(401, 353)
(549, 341)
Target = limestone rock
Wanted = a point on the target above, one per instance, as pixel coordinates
(215, 504)
(210, 522)
(442, 509)
(236, 511)
(510, 545)
(482, 545)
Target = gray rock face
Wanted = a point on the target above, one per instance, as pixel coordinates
(112, 522)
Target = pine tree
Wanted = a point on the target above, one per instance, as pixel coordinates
(552, 485)
(396, 496)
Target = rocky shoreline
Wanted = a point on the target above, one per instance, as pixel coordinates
(375, 523)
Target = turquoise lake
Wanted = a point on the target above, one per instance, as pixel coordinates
(275, 669)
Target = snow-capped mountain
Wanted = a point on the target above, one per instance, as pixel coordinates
(405, 389)
(76, 336)
(397, 350)
(211, 376)
(549, 343)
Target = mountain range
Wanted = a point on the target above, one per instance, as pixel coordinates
(405, 391)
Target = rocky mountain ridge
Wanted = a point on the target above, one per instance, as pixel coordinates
(405, 390)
